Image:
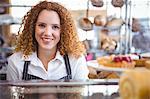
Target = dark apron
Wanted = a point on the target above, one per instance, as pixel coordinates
(27, 76)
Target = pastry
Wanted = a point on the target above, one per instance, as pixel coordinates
(107, 75)
(92, 70)
(147, 64)
(135, 84)
(108, 44)
(92, 73)
(119, 61)
(113, 76)
(103, 74)
(92, 76)
(140, 62)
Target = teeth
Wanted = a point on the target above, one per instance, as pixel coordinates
(47, 39)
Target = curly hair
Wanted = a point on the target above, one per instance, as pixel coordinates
(69, 42)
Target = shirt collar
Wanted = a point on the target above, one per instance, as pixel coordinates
(35, 60)
(58, 56)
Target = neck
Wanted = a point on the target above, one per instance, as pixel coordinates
(46, 56)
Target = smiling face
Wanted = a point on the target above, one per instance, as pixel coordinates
(47, 30)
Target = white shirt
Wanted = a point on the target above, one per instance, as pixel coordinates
(56, 67)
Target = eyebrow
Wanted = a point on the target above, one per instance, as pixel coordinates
(56, 24)
(46, 23)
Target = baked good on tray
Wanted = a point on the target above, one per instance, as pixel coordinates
(94, 74)
(147, 64)
(119, 61)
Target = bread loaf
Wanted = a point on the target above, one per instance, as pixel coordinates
(135, 84)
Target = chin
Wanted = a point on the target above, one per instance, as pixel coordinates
(48, 47)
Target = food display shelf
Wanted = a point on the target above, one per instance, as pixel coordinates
(89, 89)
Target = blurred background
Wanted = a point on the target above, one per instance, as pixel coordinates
(104, 26)
(111, 28)
(113, 23)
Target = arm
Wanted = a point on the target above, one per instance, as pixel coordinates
(81, 71)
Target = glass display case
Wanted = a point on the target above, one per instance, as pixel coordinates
(90, 89)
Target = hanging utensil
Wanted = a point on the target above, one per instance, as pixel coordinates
(84, 22)
(97, 3)
(100, 20)
(117, 3)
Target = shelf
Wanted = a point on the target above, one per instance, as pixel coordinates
(6, 19)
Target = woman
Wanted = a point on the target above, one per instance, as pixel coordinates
(48, 47)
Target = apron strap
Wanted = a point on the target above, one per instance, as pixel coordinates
(27, 77)
(68, 68)
(25, 70)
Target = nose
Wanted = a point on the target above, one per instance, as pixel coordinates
(48, 31)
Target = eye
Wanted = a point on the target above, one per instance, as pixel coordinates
(56, 27)
(42, 25)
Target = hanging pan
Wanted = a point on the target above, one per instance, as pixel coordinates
(117, 3)
(84, 23)
(100, 20)
(97, 3)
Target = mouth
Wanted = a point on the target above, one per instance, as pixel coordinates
(47, 39)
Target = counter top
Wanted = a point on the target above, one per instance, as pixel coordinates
(61, 82)
(89, 89)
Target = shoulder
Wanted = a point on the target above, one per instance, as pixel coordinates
(21, 56)
(15, 58)
(77, 62)
(74, 59)
(17, 55)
